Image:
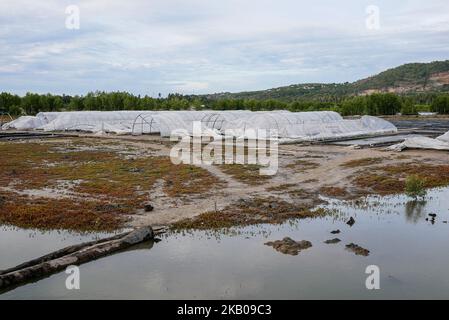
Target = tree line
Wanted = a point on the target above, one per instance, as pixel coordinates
(374, 104)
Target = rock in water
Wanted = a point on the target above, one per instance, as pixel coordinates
(350, 222)
(358, 250)
(335, 231)
(289, 246)
(332, 241)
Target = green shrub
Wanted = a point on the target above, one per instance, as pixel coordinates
(414, 187)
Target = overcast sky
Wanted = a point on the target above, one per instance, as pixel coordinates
(205, 46)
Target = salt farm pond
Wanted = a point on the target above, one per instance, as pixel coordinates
(408, 246)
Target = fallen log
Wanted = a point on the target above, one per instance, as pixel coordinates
(60, 253)
(73, 255)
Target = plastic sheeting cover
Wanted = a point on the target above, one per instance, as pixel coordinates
(439, 143)
(286, 125)
(303, 126)
(24, 123)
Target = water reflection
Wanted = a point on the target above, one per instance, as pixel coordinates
(414, 210)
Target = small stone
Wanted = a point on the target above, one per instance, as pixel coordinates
(432, 215)
(335, 231)
(148, 208)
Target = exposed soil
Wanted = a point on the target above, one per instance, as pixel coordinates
(105, 183)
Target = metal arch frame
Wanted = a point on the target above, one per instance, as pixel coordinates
(213, 117)
(144, 117)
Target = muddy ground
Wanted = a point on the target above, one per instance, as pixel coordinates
(85, 183)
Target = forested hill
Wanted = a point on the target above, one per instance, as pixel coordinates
(406, 79)
(408, 89)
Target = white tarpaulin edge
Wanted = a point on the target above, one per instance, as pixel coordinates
(439, 143)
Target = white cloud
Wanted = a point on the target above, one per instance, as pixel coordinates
(188, 87)
(207, 46)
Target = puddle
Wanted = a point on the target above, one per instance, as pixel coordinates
(412, 254)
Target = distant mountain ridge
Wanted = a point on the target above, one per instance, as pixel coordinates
(406, 79)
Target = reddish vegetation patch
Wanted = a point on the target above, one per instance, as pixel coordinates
(391, 179)
(362, 162)
(108, 185)
(333, 192)
(379, 184)
(254, 211)
(292, 190)
(45, 213)
(281, 187)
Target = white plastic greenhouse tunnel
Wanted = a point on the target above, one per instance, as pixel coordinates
(284, 125)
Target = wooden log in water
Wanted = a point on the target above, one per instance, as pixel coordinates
(60, 253)
(73, 255)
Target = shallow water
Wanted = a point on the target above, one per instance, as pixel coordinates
(412, 254)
